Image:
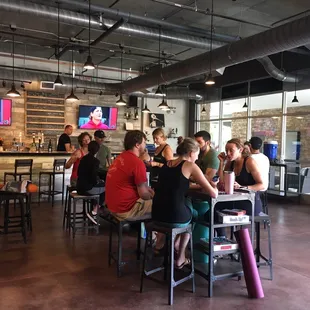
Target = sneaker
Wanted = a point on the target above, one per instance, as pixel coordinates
(92, 217)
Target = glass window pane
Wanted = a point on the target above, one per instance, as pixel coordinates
(211, 110)
(297, 138)
(235, 128)
(234, 108)
(267, 105)
(268, 129)
(303, 104)
(214, 129)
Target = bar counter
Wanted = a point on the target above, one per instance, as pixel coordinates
(36, 154)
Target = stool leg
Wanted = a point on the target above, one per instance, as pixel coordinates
(171, 282)
(139, 243)
(23, 222)
(39, 194)
(119, 250)
(65, 209)
(74, 218)
(144, 259)
(53, 189)
(63, 189)
(192, 262)
(49, 188)
(110, 244)
(258, 253)
(270, 251)
(6, 216)
(166, 257)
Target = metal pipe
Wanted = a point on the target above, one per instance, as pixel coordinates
(207, 12)
(75, 18)
(275, 40)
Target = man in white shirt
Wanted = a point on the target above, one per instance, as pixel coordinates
(261, 159)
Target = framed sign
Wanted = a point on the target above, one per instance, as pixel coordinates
(156, 120)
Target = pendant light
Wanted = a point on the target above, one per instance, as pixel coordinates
(13, 92)
(58, 80)
(121, 101)
(146, 109)
(295, 100)
(163, 105)
(72, 97)
(210, 79)
(245, 106)
(159, 91)
(203, 111)
(89, 65)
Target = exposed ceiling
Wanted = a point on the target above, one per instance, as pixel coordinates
(37, 37)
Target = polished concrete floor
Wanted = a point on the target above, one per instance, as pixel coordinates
(53, 271)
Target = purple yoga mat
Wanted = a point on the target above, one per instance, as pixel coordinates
(251, 275)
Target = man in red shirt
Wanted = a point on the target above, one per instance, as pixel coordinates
(127, 192)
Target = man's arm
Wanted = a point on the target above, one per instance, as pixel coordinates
(68, 147)
(145, 192)
(109, 158)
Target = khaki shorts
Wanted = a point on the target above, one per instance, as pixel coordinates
(142, 208)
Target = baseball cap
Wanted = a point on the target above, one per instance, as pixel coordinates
(256, 143)
(99, 134)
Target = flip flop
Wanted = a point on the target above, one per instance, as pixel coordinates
(185, 263)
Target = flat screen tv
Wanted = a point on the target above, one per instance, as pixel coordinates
(5, 112)
(97, 117)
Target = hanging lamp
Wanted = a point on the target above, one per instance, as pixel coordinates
(13, 92)
(121, 101)
(58, 80)
(146, 109)
(164, 105)
(72, 97)
(89, 65)
(210, 80)
(295, 100)
(203, 111)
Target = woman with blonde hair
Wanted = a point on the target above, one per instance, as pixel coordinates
(170, 206)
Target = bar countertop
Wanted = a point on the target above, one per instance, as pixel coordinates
(36, 154)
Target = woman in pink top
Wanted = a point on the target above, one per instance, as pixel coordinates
(84, 138)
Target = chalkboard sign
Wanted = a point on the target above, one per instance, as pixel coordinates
(45, 112)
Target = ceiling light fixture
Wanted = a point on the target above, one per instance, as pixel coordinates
(245, 106)
(146, 109)
(100, 93)
(13, 92)
(295, 100)
(121, 101)
(58, 80)
(210, 80)
(72, 97)
(203, 111)
(89, 65)
(164, 106)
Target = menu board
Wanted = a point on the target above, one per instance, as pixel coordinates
(45, 112)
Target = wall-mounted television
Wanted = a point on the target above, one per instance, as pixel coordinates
(97, 117)
(5, 112)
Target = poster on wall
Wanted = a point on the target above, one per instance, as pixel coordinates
(156, 120)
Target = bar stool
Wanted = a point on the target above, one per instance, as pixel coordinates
(263, 218)
(20, 163)
(24, 221)
(67, 212)
(58, 169)
(118, 226)
(74, 220)
(171, 234)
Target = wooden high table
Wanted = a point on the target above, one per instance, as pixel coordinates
(223, 269)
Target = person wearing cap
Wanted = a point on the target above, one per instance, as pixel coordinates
(261, 160)
(104, 154)
(207, 160)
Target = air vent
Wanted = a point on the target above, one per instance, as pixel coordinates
(47, 85)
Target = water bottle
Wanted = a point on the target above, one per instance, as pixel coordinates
(49, 147)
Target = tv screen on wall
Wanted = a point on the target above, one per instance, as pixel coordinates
(5, 112)
(97, 117)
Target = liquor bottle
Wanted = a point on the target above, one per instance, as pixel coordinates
(49, 147)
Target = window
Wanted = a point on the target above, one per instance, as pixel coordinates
(267, 105)
(234, 108)
(213, 128)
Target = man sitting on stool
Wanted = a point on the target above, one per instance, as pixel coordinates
(127, 193)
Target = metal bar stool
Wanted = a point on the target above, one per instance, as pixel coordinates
(263, 218)
(24, 221)
(20, 164)
(118, 226)
(171, 234)
(58, 169)
(73, 214)
(67, 212)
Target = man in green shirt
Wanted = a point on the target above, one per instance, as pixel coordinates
(207, 159)
(104, 154)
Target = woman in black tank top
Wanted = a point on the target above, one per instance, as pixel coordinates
(163, 152)
(169, 204)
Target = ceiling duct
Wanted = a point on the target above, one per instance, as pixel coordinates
(272, 41)
(276, 73)
(173, 93)
(74, 18)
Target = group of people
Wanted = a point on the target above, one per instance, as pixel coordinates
(90, 163)
(128, 194)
